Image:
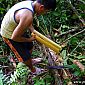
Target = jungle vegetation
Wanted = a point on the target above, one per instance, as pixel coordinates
(66, 27)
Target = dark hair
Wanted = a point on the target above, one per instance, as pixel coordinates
(48, 4)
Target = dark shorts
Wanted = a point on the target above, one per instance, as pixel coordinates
(22, 48)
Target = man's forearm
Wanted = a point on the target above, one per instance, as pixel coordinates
(21, 39)
(31, 28)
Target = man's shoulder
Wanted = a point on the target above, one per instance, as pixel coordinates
(26, 13)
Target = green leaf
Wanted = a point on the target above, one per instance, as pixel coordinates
(1, 82)
(77, 73)
(73, 41)
(81, 57)
(1, 77)
(63, 54)
(73, 66)
(65, 58)
(14, 83)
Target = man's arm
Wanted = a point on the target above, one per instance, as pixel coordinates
(25, 20)
(31, 28)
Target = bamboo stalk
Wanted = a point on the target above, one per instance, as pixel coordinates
(47, 40)
(47, 44)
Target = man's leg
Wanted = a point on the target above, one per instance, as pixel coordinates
(28, 62)
(35, 60)
(30, 65)
(22, 54)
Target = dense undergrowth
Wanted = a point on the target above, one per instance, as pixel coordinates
(66, 26)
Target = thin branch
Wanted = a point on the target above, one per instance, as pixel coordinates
(72, 30)
(69, 31)
(74, 35)
(82, 1)
(77, 46)
(44, 25)
(76, 12)
(3, 66)
(80, 65)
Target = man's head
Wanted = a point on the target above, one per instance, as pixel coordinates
(45, 5)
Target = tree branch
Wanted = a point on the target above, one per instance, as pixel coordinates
(72, 30)
(82, 1)
(74, 35)
(76, 12)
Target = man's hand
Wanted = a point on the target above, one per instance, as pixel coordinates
(32, 38)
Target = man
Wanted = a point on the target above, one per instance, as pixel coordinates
(17, 21)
